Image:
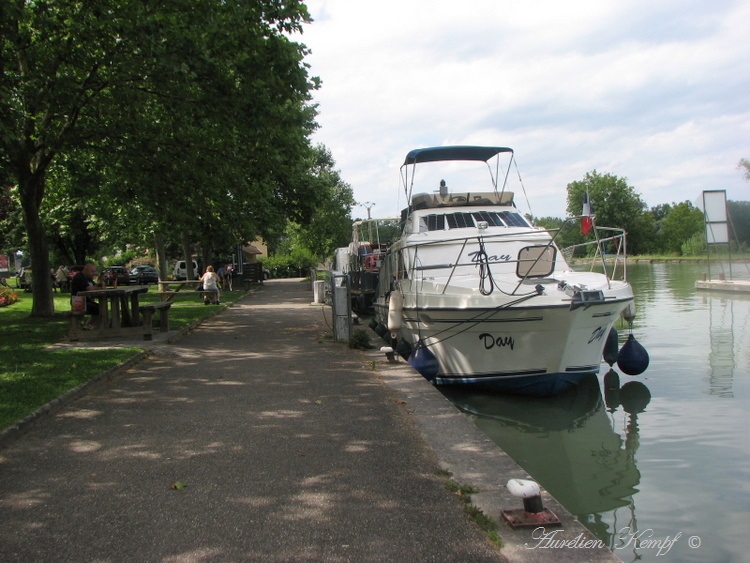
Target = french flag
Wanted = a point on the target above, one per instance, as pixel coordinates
(586, 219)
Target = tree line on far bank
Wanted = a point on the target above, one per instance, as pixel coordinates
(676, 229)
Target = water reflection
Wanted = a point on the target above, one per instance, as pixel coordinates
(681, 466)
(586, 464)
(721, 338)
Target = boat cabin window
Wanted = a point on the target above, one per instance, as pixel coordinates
(536, 261)
(513, 219)
(460, 220)
(437, 222)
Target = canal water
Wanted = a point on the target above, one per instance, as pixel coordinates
(657, 466)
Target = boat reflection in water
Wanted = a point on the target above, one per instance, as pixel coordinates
(570, 446)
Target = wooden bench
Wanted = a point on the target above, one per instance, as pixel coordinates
(169, 295)
(147, 311)
(202, 294)
(75, 329)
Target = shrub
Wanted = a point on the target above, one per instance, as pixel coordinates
(695, 245)
(360, 340)
(296, 264)
(7, 297)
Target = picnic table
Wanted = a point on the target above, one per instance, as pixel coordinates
(122, 303)
(166, 293)
(118, 311)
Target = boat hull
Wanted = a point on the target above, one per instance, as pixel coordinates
(526, 349)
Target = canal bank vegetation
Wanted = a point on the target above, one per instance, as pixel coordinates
(722, 256)
(485, 523)
(33, 372)
(674, 258)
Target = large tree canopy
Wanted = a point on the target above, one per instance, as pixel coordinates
(177, 116)
(682, 221)
(615, 204)
(330, 225)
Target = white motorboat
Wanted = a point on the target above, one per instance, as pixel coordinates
(473, 293)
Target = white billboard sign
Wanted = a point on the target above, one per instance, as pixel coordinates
(714, 206)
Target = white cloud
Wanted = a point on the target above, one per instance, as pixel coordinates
(658, 93)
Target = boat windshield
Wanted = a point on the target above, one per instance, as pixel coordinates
(461, 220)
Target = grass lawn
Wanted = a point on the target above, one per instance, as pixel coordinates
(31, 374)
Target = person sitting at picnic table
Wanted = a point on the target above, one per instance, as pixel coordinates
(82, 282)
(211, 285)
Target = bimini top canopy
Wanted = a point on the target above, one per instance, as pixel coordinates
(461, 152)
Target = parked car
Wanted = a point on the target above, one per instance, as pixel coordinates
(144, 275)
(119, 273)
(254, 271)
(180, 270)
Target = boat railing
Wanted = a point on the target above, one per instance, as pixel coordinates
(612, 264)
(538, 238)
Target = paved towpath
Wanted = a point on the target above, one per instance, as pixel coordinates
(254, 437)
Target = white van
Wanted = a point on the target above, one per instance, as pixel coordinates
(180, 270)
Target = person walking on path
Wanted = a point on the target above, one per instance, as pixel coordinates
(228, 272)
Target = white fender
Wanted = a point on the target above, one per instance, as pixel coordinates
(395, 310)
(629, 312)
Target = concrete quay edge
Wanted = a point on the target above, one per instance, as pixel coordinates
(473, 459)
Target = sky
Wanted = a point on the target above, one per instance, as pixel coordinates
(654, 91)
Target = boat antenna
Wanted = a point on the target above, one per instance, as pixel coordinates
(405, 179)
(398, 192)
(496, 176)
(523, 188)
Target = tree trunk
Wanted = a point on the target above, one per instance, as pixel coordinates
(161, 256)
(187, 252)
(207, 254)
(31, 187)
